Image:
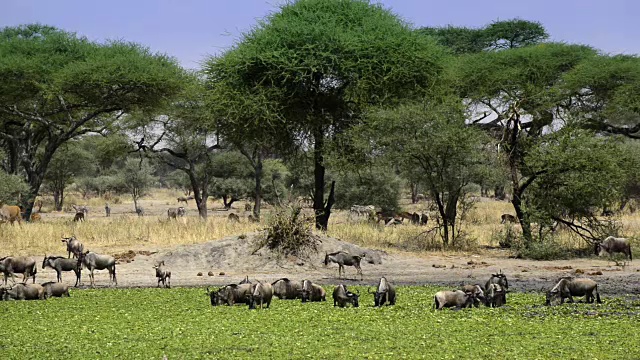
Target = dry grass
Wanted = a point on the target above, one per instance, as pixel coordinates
(124, 231)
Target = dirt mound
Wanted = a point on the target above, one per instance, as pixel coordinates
(240, 254)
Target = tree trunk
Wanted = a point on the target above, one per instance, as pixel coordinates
(258, 190)
(499, 192)
(326, 212)
(200, 194)
(58, 199)
(322, 220)
(414, 193)
(443, 215)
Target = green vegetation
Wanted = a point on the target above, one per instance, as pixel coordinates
(147, 323)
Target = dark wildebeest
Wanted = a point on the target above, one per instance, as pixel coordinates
(185, 199)
(569, 287)
(81, 209)
(23, 292)
(107, 209)
(79, 216)
(385, 292)
(245, 281)
(10, 213)
(508, 218)
(424, 218)
(93, 261)
(312, 292)
(342, 297)
(499, 278)
(26, 266)
(495, 295)
(233, 217)
(286, 289)
(458, 299)
(74, 246)
(343, 258)
(181, 212)
(52, 289)
(613, 245)
(163, 274)
(140, 211)
(234, 294)
(261, 293)
(478, 294)
(60, 264)
(172, 213)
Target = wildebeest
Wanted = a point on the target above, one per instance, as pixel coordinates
(247, 207)
(10, 213)
(569, 287)
(500, 279)
(508, 218)
(261, 293)
(52, 289)
(385, 292)
(424, 218)
(172, 213)
(74, 246)
(140, 211)
(107, 209)
(234, 294)
(93, 261)
(343, 258)
(478, 293)
(163, 274)
(23, 292)
(458, 299)
(79, 216)
(26, 266)
(342, 297)
(181, 211)
(612, 245)
(312, 292)
(245, 280)
(362, 210)
(81, 209)
(233, 217)
(60, 264)
(495, 295)
(185, 199)
(286, 289)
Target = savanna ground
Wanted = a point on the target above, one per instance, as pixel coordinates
(147, 323)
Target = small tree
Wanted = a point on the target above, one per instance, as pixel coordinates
(231, 174)
(67, 165)
(378, 186)
(136, 178)
(13, 186)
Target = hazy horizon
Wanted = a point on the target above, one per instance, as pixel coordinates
(193, 29)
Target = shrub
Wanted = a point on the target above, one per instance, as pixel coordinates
(288, 232)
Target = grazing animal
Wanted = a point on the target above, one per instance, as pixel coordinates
(23, 292)
(74, 246)
(478, 294)
(312, 292)
(26, 266)
(458, 299)
(185, 199)
(52, 289)
(181, 211)
(163, 274)
(247, 207)
(107, 209)
(172, 213)
(385, 292)
(508, 218)
(500, 279)
(140, 211)
(343, 258)
(232, 294)
(286, 289)
(362, 210)
(569, 287)
(214, 297)
(261, 293)
(424, 219)
(36, 217)
(81, 209)
(495, 295)
(613, 245)
(93, 261)
(10, 213)
(60, 264)
(233, 217)
(342, 297)
(245, 281)
(79, 216)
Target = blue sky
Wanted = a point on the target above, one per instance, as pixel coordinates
(192, 29)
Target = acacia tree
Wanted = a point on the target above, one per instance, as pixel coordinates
(135, 178)
(70, 162)
(320, 63)
(56, 86)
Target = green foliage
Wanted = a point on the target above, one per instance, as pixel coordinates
(288, 232)
(180, 323)
(274, 187)
(377, 186)
(232, 175)
(11, 189)
(136, 178)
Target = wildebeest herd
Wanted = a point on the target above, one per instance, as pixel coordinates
(260, 293)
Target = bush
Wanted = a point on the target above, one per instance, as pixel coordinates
(288, 232)
(378, 187)
(12, 187)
